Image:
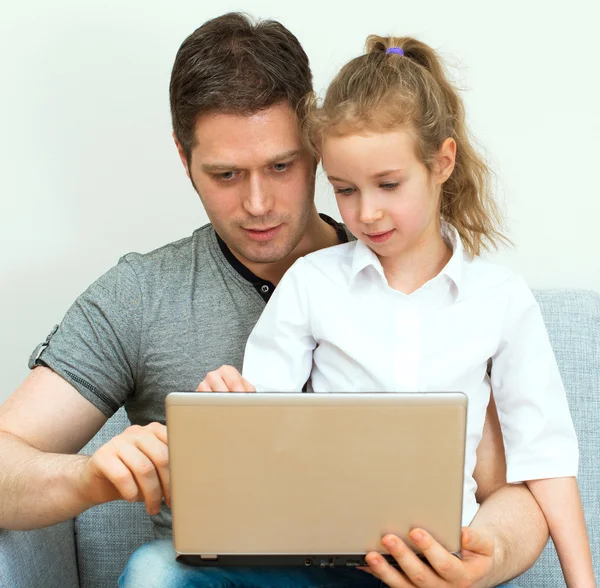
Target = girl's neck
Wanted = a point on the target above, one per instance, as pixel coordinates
(412, 269)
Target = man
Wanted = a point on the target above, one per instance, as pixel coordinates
(160, 322)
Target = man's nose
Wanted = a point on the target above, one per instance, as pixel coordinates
(258, 200)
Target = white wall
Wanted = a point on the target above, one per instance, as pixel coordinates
(89, 171)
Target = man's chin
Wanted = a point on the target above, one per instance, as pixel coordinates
(248, 250)
(269, 252)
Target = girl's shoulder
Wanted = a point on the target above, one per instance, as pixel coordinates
(332, 262)
(484, 275)
(336, 252)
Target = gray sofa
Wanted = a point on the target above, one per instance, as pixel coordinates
(91, 550)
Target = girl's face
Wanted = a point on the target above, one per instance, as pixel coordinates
(386, 196)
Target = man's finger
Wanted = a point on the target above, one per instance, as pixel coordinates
(416, 570)
(159, 430)
(145, 474)
(215, 382)
(119, 475)
(248, 387)
(477, 541)
(157, 452)
(448, 566)
(225, 379)
(385, 572)
(233, 379)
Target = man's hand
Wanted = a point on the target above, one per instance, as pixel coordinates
(444, 570)
(225, 379)
(133, 466)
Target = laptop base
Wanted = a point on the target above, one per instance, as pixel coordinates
(317, 561)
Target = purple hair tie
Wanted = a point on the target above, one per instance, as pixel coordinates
(397, 50)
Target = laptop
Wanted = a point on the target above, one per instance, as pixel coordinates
(312, 479)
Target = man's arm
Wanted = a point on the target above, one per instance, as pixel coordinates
(490, 469)
(509, 511)
(519, 528)
(42, 425)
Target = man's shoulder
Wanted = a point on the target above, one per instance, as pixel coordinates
(349, 235)
(178, 256)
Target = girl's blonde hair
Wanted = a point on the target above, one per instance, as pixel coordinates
(380, 91)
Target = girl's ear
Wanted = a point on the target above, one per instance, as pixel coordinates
(445, 161)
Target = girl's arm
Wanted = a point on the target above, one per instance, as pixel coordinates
(561, 504)
(538, 433)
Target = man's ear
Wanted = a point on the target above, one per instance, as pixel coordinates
(182, 156)
(445, 160)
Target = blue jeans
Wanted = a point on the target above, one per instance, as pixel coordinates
(154, 565)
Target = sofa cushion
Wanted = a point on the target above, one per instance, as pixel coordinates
(108, 534)
(43, 557)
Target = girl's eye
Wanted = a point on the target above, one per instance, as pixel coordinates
(344, 191)
(389, 185)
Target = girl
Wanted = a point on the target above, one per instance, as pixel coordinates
(410, 305)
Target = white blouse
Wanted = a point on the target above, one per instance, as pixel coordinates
(334, 319)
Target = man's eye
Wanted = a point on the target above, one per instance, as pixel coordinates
(226, 176)
(281, 167)
(390, 185)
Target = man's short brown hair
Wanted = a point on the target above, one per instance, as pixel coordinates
(232, 65)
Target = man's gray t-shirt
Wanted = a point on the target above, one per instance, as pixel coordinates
(157, 323)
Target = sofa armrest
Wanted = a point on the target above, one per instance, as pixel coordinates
(44, 557)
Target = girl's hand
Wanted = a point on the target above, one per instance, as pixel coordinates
(225, 379)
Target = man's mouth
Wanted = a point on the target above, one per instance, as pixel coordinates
(263, 234)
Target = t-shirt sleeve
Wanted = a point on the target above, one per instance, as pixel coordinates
(96, 346)
(537, 428)
(278, 356)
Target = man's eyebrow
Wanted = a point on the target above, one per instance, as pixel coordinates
(218, 167)
(225, 167)
(282, 156)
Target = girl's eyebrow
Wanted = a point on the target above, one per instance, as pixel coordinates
(386, 172)
(377, 175)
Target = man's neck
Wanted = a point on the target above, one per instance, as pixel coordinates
(318, 235)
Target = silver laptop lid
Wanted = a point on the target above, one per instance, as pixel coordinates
(295, 474)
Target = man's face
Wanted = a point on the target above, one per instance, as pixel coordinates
(256, 181)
